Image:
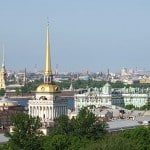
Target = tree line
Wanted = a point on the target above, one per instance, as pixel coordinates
(85, 132)
(31, 86)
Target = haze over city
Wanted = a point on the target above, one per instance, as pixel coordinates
(93, 35)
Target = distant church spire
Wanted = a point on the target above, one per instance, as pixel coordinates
(3, 72)
(48, 76)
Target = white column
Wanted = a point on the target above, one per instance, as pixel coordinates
(58, 111)
(40, 111)
(43, 111)
(49, 112)
(53, 112)
(46, 112)
(32, 110)
(35, 110)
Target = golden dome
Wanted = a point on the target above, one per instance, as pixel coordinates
(47, 88)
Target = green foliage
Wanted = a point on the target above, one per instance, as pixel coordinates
(81, 133)
(135, 139)
(64, 142)
(63, 125)
(81, 84)
(141, 85)
(118, 84)
(64, 84)
(129, 107)
(140, 136)
(25, 89)
(76, 133)
(25, 133)
(17, 91)
(91, 83)
(2, 92)
(78, 143)
(85, 125)
(55, 142)
(31, 86)
(113, 142)
(146, 107)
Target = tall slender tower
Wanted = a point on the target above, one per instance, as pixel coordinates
(3, 72)
(48, 104)
(48, 76)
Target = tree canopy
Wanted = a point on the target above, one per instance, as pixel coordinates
(85, 125)
(83, 132)
(25, 134)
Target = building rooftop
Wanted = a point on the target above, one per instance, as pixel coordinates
(122, 124)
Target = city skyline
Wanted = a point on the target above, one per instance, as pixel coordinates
(84, 35)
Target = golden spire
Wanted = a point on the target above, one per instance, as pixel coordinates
(48, 70)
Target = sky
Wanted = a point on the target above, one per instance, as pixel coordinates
(93, 35)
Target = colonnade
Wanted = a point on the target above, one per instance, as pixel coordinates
(47, 112)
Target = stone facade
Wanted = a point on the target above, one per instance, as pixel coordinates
(107, 96)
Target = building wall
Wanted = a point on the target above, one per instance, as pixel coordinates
(48, 106)
(138, 100)
(106, 97)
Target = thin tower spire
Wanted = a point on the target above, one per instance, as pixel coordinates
(48, 76)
